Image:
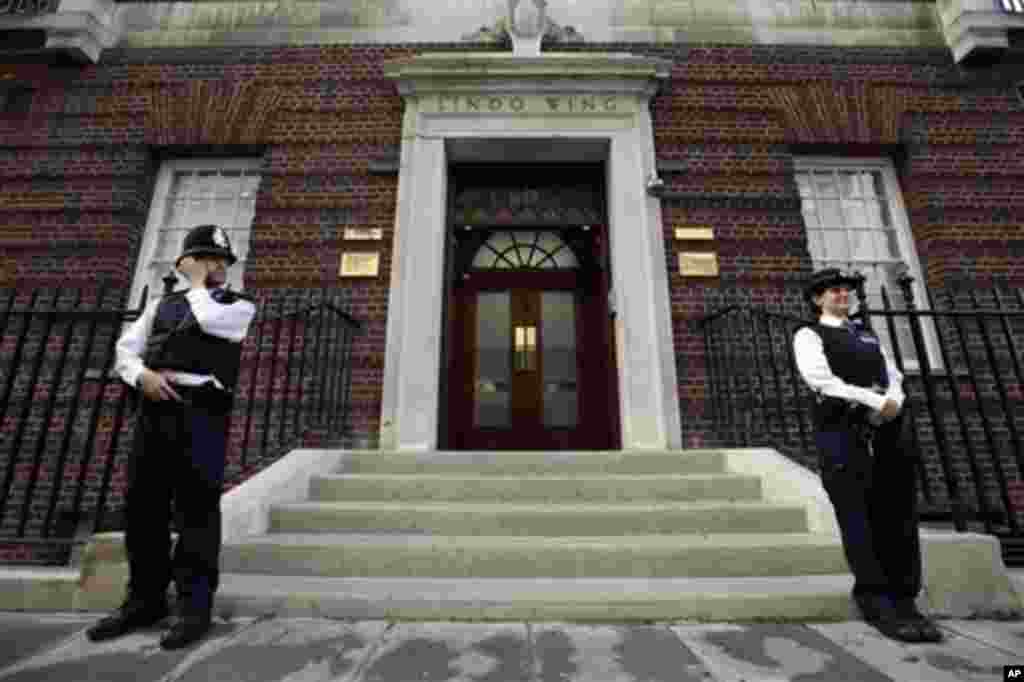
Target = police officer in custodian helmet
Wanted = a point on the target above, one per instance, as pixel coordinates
(867, 467)
(183, 354)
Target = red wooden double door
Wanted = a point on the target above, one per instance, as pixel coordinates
(531, 362)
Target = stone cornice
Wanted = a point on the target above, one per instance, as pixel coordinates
(80, 28)
(578, 71)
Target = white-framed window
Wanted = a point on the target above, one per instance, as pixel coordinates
(856, 221)
(189, 193)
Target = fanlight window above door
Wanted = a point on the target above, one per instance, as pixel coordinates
(525, 250)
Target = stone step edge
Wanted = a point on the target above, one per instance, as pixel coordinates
(590, 475)
(540, 542)
(801, 598)
(612, 506)
(545, 460)
(426, 454)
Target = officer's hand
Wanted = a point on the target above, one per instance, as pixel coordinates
(155, 386)
(890, 409)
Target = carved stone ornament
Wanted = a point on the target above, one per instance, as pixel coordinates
(526, 26)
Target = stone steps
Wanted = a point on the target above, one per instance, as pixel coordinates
(552, 535)
(542, 519)
(801, 598)
(514, 463)
(552, 488)
(511, 556)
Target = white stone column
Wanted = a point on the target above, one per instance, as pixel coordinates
(410, 405)
(395, 328)
(647, 373)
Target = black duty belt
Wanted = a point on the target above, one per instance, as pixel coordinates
(206, 394)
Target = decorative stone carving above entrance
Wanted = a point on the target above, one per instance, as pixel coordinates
(526, 26)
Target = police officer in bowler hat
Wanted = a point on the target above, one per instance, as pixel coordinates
(183, 355)
(867, 467)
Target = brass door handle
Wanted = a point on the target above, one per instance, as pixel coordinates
(525, 349)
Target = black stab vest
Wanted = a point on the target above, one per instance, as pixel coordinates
(176, 342)
(856, 358)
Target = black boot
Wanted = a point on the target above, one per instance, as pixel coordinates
(134, 614)
(185, 631)
(881, 613)
(907, 609)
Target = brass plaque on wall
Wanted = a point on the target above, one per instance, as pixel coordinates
(360, 264)
(698, 264)
(364, 233)
(695, 233)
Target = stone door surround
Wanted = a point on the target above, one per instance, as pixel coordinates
(558, 107)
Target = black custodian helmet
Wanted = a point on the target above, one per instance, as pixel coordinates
(830, 277)
(210, 240)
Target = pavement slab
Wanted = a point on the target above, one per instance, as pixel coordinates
(957, 659)
(612, 653)
(131, 658)
(35, 632)
(282, 650)
(451, 652)
(775, 652)
(1007, 636)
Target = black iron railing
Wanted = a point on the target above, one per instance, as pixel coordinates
(28, 7)
(963, 378)
(68, 421)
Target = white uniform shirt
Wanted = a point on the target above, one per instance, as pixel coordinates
(230, 321)
(815, 370)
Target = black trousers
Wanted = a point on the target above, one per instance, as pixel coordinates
(875, 499)
(179, 458)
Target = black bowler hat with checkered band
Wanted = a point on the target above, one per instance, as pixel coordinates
(207, 240)
(830, 277)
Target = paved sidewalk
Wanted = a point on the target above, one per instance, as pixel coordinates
(54, 648)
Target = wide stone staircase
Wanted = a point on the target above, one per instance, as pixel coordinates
(636, 535)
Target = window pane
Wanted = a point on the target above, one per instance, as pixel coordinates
(524, 256)
(816, 244)
(803, 185)
(565, 258)
(208, 180)
(484, 258)
(222, 212)
(493, 370)
(836, 245)
(830, 213)
(548, 241)
(854, 214)
(810, 211)
(862, 245)
(849, 184)
(183, 184)
(178, 215)
(558, 334)
(825, 185)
